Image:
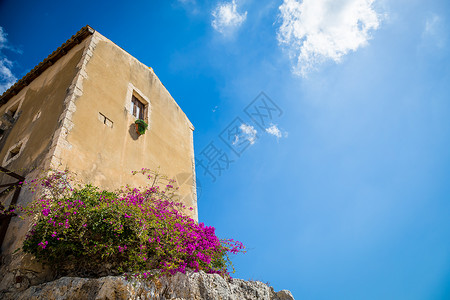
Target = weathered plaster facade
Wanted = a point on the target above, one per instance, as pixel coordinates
(73, 112)
(105, 154)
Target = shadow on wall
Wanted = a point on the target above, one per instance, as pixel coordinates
(132, 130)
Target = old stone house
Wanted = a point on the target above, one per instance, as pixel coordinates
(77, 110)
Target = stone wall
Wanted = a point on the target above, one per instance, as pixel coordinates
(196, 286)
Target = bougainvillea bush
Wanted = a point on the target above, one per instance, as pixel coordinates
(82, 229)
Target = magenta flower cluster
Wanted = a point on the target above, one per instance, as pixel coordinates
(132, 230)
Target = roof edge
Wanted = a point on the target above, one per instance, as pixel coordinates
(46, 63)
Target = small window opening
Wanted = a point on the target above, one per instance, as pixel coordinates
(36, 116)
(137, 108)
(2, 132)
(13, 110)
(14, 151)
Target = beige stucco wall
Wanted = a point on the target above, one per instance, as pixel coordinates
(105, 155)
(41, 104)
(57, 123)
(38, 118)
(45, 94)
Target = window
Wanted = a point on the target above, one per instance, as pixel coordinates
(137, 104)
(12, 110)
(14, 151)
(36, 116)
(137, 108)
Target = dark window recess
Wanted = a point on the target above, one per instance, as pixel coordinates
(12, 111)
(14, 151)
(2, 132)
(138, 108)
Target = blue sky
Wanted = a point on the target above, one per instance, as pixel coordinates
(344, 192)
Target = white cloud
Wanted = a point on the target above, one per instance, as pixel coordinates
(315, 31)
(249, 133)
(275, 131)
(7, 78)
(226, 17)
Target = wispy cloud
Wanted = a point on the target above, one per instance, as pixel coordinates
(190, 6)
(226, 18)
(315, 31)
(431, 23)
(2, 38)
(7, 78)
(275, 131)
(434, 31)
